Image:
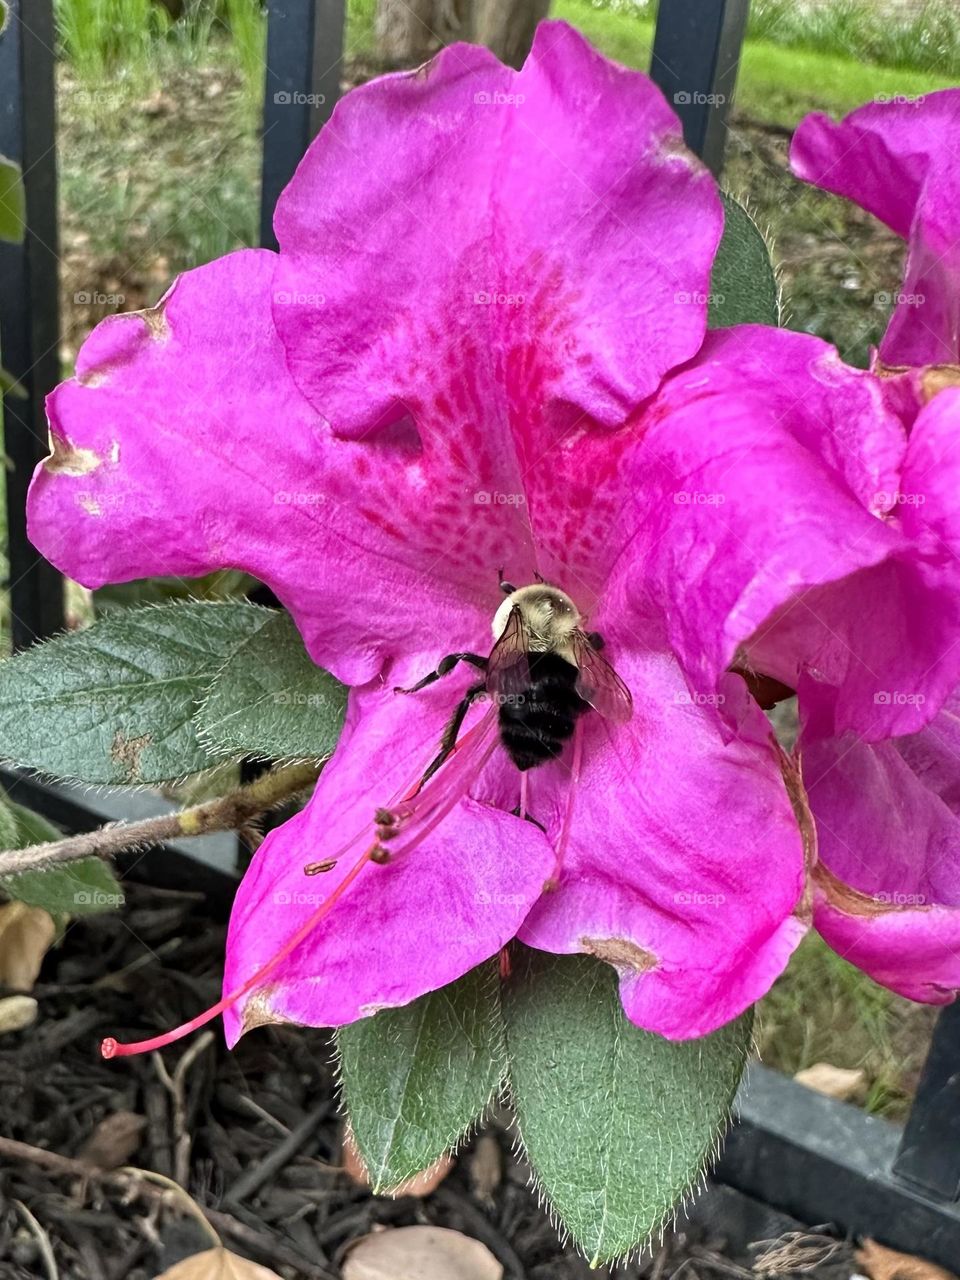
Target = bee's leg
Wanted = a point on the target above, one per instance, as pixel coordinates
(449, 739)
(444, 667)
(595, 640)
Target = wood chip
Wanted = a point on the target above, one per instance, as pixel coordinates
(25, 935)
(420, 1253)
(881, 1263)
(17, 1012)
(218, 1264)
(485, 1168)
(834, 1082)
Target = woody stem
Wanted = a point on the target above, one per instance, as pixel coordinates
(225, 813)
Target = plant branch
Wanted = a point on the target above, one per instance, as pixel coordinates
(225, 813)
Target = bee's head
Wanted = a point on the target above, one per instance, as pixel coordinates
(549, 615)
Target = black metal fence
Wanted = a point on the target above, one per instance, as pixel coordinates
(819, 1160)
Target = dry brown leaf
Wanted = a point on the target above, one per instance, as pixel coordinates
(421, 1184)
(113, 1141)
(420, 1253)
(485, 1169)
(218, 1264)
(834, 1082)
(17, 1012)
(881, 1263)
(25, 934)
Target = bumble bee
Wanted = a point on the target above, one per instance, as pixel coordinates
(544, 672)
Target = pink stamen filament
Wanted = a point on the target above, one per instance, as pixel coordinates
(444, 804)
(111, 1048)
(564, 839)
(439, 800)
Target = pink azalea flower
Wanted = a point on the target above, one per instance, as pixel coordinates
(872, 657)
(845, 586)
(898, 160)
(886, 887)
(457, 368)
(887, 890)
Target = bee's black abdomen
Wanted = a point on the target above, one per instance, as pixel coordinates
(535, 726)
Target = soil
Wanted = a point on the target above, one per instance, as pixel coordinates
(255, 1137)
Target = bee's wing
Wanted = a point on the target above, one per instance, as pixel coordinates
(598, 684)
(508, 667)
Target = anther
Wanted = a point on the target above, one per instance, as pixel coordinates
(379, 855)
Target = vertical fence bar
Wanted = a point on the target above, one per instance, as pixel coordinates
(696, 55)
(304, 67)
(29, 323)
(929, 1154)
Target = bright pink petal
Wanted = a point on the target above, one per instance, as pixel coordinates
(882, 649)
(429, 915)
(899, 161)
(766, 472)
(183, 446)
(513, 250)
(684, 865)
(889, 837)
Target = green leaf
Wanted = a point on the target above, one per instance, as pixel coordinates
(13, 209)
(416, 1078)
(72, 889)
(115, 703)
(743, 287)
(269, 699)
(9, 831)
(9, 386)
(618, 1123)
(223, 584)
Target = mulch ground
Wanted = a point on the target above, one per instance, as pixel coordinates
(254, 1136)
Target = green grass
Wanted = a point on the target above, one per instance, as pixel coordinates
(919, 37)
(359, 34)
(97, 35)
(246, 29)
(923, 38)
(777, 84)
(111, 41)
(780, 85)
(824, 1010)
